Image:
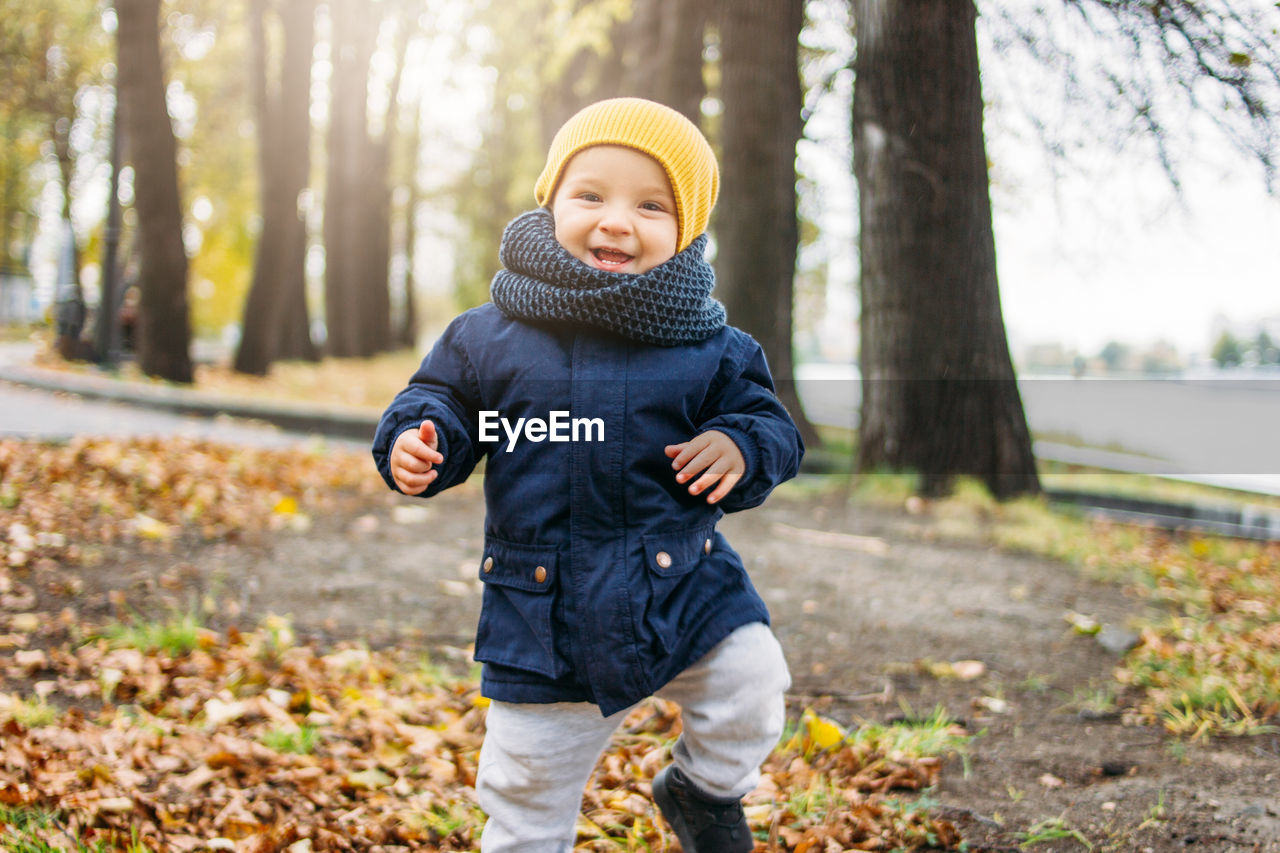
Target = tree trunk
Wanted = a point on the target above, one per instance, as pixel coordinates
(107, 332)
(275, 322)
(939, 395)
(407, 328)
(632, 68)
(683, 27)
(657, 54)
(298, 19)
(375, 325)
(258, 328)
(70, 297)
(9, 208)
(164, 325)
(348, 175)
(756, 215)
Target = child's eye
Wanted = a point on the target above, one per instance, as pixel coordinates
(589, 197)
(652, 205)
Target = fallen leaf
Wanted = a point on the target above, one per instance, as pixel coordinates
(369, 780)
(1048, 780)
(968, 670)
(823, 733)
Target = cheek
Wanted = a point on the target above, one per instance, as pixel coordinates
(664, 241)
(564, 230)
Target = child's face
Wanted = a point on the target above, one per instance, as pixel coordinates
(614, 210)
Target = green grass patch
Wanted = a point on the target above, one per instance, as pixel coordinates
(300, 741)
(936, 734)
(30, 712)
(37, 830)
(1051, 830)
(176, 635)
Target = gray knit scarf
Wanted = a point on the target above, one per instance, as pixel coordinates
(669, 305)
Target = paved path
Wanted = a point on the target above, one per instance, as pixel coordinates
(32, 413)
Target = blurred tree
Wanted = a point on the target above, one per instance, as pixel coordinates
(756, 225)
(164, 331)
(377, 332)
(1266, 349)
(656, 52)
(938, 393)
(207, 50)
(1114, 355)
(406, 333)
(357, 187)
(1227, 351)
(53, 55)
(17, 199)
(276, 321)
(348, 176)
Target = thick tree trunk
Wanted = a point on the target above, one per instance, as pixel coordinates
(684, 26)
(294, 318)
(376, 334)
(756, 215)
(939, 393)
(164, 326)
(349, 172)
(258, 327)
(358, 195)
(657, 54)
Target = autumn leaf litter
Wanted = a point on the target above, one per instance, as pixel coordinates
(246, 739)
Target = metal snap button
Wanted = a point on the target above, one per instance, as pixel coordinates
(488, 564)
(663, 559)
(706, 547)
(540, 574)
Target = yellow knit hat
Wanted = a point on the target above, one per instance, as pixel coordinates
(659, 131)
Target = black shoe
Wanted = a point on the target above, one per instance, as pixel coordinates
(703, 824)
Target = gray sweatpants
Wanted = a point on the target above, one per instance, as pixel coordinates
(536, 759)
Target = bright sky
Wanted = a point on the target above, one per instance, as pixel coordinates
(1125, 260)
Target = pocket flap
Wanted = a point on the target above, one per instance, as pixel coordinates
(526, 567)
(671, 554)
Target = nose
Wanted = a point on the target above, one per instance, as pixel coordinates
(614, 219)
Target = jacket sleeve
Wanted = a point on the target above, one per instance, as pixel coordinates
(445, 389)
(746, 409)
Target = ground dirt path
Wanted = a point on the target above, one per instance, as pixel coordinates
(861, 600)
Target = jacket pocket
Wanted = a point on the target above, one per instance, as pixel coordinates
(677, 592)
(515, 620)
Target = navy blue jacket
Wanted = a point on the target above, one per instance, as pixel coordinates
(603, 578)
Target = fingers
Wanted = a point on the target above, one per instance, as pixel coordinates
(414, 484)
(427, 443)
(699, 459)
(413, 457)
(711, 460)
(427, 434)
(685, 452)
(727, 483)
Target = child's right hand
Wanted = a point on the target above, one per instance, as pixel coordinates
(412, 459)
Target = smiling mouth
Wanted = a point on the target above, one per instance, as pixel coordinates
(610, 258)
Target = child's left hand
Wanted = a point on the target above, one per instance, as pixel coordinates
(713, 455)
